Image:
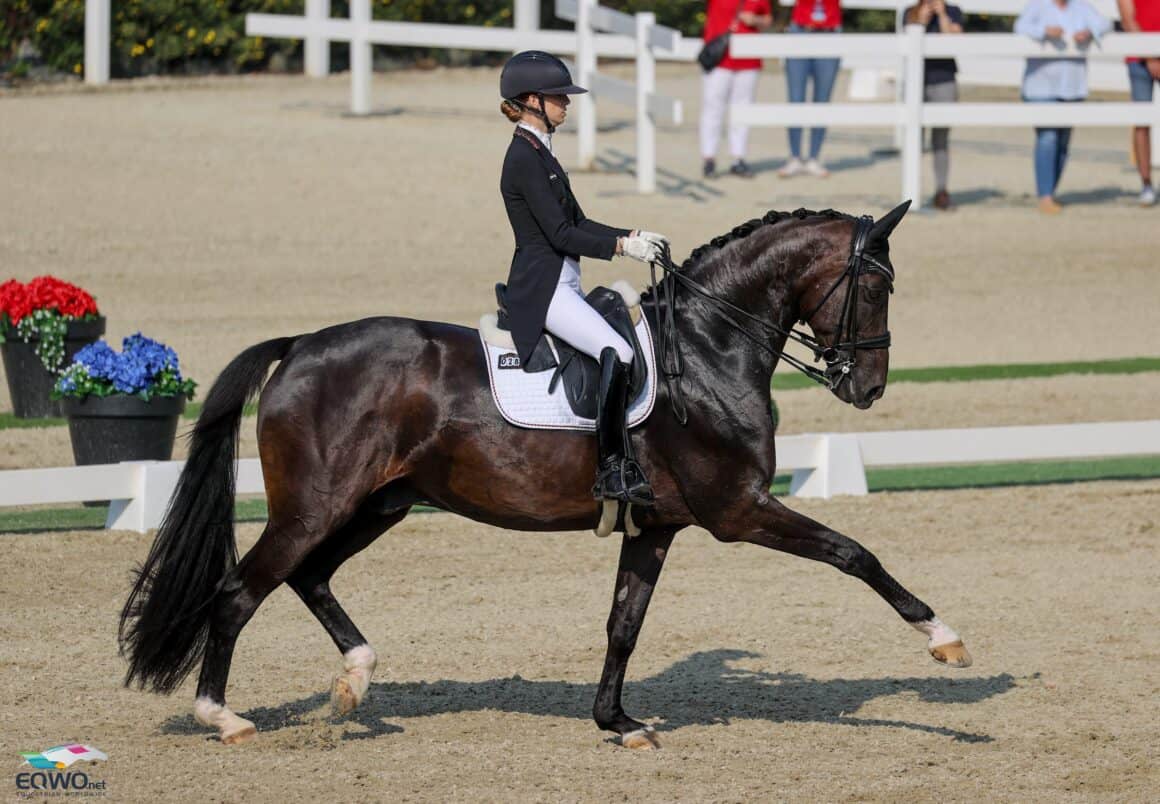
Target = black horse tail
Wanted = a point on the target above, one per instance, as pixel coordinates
(165, 622)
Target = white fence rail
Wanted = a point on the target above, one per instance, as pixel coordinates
(648, 38)
(912, 47)
(823, 465)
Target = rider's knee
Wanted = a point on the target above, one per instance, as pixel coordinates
(623, 351)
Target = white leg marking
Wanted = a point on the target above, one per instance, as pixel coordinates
(359, 664)
(231, 728)
(937, 632)
(607, 518)
(641, 739)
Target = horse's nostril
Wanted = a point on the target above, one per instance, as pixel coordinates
(876, 392)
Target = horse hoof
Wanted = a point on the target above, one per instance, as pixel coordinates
(641, 740)
(242, 734)
(952, 654)
(343, 699)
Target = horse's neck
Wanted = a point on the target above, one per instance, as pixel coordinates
(760, 278)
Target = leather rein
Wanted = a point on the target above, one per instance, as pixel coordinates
(840, 357)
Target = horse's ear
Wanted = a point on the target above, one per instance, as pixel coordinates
(885, 225)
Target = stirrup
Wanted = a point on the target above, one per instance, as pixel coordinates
(624, 481)
(637, 489)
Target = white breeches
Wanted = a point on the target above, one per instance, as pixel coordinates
(573, 320)
(720, 88)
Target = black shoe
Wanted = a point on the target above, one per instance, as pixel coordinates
(740, 168)
(618, 475)
(709, 169)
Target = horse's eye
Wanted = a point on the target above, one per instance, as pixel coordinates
(873, 295)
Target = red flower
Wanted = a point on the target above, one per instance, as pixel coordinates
(44, 292)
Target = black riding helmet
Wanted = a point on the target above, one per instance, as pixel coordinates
(537, 73)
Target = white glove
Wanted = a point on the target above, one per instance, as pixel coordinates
(640, 248)
(653, 237)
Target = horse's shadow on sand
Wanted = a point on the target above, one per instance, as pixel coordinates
(702, 689)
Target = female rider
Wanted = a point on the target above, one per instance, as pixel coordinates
(551, 232)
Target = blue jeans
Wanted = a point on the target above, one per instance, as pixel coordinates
(1050, 152)
(797, 74)
(1141, 81)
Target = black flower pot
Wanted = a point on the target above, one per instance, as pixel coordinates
(119, 428)
(29, 382)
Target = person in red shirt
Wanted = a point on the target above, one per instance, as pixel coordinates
(1142, 16)
(731, 81)
(810, 16)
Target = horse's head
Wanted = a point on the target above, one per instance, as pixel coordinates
(843, 298)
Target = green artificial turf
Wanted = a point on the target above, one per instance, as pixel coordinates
(895, 479)
(787, 379)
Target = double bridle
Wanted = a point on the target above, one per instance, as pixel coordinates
(840, 357)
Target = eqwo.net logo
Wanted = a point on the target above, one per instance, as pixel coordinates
(54, 760)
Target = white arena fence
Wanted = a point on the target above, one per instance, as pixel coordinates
(878, 61)
(913, 113)
(636, 37)
(823, 465)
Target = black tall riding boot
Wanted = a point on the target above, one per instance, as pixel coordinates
(618, 476)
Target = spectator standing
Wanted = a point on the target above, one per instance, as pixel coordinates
(731, 81)
(1056, 80)
(939, 85)
(1142, 16)
(810, 17)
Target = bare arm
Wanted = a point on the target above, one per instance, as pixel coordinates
(1128, 15)
(945, 23)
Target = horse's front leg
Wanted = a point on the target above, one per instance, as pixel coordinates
(641, 559)
(771, 524)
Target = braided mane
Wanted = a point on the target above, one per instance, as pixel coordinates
(745, 229)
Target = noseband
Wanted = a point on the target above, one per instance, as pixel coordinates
(839, 357)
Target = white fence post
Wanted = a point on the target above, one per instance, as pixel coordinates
(912, 115)
(527, 15)
(1156, 131)
(646, 130)
(316, 48)
(154, 482)
(838, 469)
(97, 22)
(585, 67)
(360, 58)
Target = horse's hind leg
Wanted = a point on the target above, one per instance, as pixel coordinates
(258, 574)
(285, 543)
(311, 582)
(773, 525)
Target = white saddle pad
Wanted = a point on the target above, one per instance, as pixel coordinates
(523, 398)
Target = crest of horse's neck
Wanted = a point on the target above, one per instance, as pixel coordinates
(758, 274)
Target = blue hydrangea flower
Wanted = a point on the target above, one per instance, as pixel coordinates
(144, 366)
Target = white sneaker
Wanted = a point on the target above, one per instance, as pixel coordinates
(794, 167)
(816, 168)
(1147, 196)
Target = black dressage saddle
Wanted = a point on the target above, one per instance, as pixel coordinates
(579, 372)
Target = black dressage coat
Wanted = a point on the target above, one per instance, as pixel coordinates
(548, 225)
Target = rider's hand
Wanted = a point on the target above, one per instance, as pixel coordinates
(1053, 32)
(653, 237)
(1083, 37)
(640, 248)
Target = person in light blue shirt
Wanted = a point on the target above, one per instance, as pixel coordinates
(1051, 80)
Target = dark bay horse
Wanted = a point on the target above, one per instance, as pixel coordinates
(363, 420)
